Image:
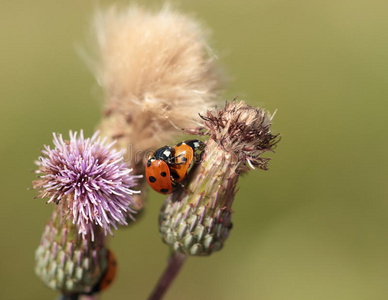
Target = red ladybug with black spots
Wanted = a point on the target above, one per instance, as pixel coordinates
(187, 153)
(167, 167)
(158, 171)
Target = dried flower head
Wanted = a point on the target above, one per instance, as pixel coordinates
(244, 131)
(157, 72)
(88, 179)
(198, 220)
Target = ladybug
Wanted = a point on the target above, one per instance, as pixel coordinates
(108, 276)
(158, 170)
(187, 153)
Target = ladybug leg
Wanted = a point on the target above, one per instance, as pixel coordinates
(176, 184)
(199, 151)
(198, 157)
(171, 162)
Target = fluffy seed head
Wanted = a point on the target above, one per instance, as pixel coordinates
(89, 179)
(157, 72)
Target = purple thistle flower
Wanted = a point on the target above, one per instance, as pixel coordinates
(90, 181)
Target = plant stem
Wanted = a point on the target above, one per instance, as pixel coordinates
(174, 265)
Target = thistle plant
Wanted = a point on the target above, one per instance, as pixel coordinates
(91, 188)
(198, 220)
(158, 75)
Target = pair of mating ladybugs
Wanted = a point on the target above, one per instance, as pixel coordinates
(167, 167)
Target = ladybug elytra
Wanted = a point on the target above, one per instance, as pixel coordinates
(158, 171)
(187, 153)
(168, 166)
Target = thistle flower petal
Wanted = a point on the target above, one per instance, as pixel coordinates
(89, 179)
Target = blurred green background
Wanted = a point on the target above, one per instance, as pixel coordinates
(312, 227)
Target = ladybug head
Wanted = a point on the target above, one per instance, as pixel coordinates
(165, 153)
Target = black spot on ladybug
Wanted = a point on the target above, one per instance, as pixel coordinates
(179, 144)
(184, 159)
(149, 163)
(163, 174)
(164, 190)
(174, 175)
(152, 179)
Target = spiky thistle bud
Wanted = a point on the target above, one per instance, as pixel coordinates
(157, 72)
(197, 220)
(67, 262)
